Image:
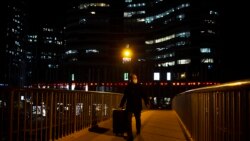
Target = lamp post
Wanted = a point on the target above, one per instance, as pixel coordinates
(126, 60)
(127, 55)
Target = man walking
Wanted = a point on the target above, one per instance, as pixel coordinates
(133, 96)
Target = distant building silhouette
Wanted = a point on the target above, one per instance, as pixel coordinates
(179, 40)
(12, 44)
(172, 41)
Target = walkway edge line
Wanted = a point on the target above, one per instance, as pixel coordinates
(183, 127)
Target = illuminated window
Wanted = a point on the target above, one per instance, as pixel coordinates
(159, 40)
(169, 37)
(48, 29)
(127, 14)
(141, 20)
(137, 5)
(210, 31)
(92, 51)
(74, 59)
(130, 14)
(87, 5)
(207, 60)
(180, 17)
(53, 66)
(209, 21)
(128, 1)
(165, 39)
(71, 52)
(184, 61)
(125, 76)
(183, 34)
(156, 76)
(17, 43)
(205, 50)
(181, 43)
(211, 12)
(164, 48)
(166, 64)
(168, 76)
(149, 42)
(183, 75)
(82, 21)
(166, 13)
(157, 1)
(32, 36)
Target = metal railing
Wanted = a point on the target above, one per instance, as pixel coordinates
(216, 113)
(46, 114)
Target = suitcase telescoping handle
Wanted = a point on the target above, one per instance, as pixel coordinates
(119, 108)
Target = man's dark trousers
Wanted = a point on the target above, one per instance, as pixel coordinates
(137, 115)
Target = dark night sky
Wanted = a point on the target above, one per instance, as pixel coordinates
(235, 29)
(47, 10)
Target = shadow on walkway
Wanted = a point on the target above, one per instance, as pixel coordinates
(97, 129)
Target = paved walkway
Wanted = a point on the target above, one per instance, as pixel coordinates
(157, 125)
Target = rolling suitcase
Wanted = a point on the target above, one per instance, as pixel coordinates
(119, 121)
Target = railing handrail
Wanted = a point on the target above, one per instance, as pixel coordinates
(227, 85)
(215, 113)
(52, 89)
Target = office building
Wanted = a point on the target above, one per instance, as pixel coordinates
(178, 40)
(94, 39)
(46, 45)
(184, 40)
(13, 46)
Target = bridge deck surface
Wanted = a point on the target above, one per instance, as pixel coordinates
(157, 125)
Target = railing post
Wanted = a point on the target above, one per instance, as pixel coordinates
(94, 124)
(51, 116)
(45, 128)
(75, 99)
(11, 106)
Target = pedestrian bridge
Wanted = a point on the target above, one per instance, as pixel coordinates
(157, 125)
(214, 113)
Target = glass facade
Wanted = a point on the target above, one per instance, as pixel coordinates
(172, 34)
(177, 39)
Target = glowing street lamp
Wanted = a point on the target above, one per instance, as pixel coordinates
(126, 60)
(126, 54)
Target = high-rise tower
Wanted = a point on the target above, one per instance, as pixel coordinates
(12, 41)
(94, 38)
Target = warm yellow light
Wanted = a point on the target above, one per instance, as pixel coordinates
(127, 53)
